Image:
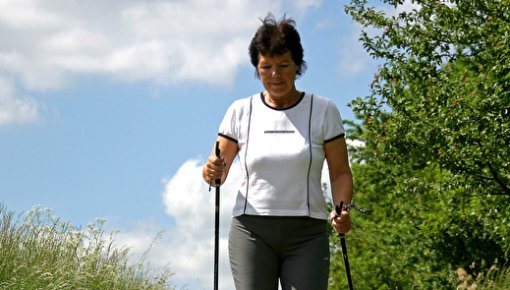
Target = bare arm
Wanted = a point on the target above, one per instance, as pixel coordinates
(341, 180)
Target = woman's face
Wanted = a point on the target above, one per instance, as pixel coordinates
(278, 73)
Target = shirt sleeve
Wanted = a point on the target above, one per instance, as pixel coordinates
(333, 125)
(228, 126)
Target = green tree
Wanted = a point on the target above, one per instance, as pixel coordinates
(436, 162)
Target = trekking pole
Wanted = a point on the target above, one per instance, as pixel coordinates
(216, 222)
(338, 210)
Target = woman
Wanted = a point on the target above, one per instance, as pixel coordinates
(282, 137)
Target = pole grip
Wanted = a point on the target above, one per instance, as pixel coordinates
(338, 210)
(218, 154)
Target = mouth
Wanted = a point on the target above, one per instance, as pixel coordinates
(278, 84)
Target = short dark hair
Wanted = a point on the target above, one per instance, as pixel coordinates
(276, 38)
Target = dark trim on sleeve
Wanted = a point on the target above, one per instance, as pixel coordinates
(227, 137)
(334, 138)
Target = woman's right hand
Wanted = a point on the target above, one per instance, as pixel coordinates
(214, 169)
(217, 167)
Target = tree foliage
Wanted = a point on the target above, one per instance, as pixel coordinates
(436, 162)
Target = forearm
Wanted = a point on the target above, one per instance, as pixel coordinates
(341, 188)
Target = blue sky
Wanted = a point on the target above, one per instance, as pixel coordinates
(108, 109)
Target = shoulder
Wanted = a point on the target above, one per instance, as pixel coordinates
(243, 103)
(240, 108)
(320, 101)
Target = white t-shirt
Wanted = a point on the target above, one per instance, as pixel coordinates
(281, 154)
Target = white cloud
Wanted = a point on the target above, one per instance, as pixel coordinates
(305, 5)
(46, 44)
(354, 60)
(13, 109)
(157, 41)
(188, 246)
(26, 14)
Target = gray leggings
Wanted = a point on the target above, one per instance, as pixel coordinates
(294, 250)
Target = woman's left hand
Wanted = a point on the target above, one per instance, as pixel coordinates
(342, 224)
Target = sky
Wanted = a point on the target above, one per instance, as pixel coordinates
(109, 109)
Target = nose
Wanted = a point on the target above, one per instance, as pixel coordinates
(275, 73)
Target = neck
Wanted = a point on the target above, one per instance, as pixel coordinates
(282, 102)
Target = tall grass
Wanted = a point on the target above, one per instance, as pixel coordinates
(496, 278)
(39, 251)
